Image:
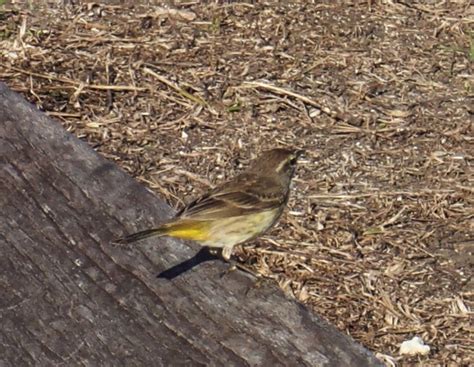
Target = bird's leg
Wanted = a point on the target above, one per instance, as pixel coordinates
(225, 253)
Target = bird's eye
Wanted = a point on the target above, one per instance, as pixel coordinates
(293, 160)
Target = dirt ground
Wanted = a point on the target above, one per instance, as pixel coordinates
(378, 237)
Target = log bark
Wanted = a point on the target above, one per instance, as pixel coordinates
(69, 297)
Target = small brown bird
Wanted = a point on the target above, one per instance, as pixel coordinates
(236, 211)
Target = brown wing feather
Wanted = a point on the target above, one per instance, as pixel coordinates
(244, 195)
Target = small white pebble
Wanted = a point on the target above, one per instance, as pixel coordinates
(414, 346)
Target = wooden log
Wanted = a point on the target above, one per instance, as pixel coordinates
(69, 297)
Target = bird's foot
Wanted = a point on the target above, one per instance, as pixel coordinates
(225, 254)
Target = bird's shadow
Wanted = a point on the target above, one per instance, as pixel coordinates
(203, 255)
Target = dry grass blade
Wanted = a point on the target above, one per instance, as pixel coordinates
(177, 89)
(76, 84)
(289, 93)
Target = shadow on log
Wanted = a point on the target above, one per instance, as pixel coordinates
(69, 297)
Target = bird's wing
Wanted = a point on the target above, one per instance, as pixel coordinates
(245, 195)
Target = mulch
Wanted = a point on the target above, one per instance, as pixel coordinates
(378, 237)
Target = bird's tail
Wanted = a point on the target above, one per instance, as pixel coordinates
(160, 231)
(186, 229)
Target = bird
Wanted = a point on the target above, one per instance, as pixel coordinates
(236, 211)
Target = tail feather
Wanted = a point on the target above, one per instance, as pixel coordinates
(140, 236)
(185, 229)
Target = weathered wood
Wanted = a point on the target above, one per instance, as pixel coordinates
(69, 297)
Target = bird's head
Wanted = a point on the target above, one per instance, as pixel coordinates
(280, 162)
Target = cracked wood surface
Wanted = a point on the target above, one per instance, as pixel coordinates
(68, 297)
